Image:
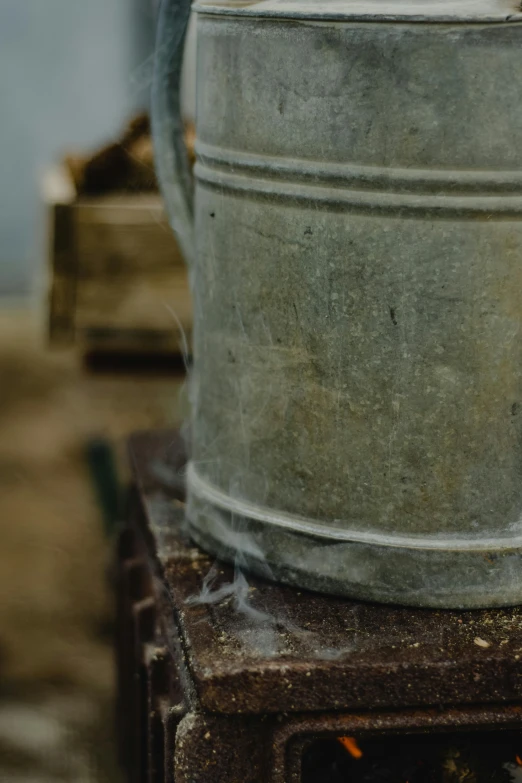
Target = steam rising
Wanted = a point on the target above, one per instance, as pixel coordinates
(258, 629)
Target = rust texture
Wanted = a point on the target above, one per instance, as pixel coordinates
(206, 695)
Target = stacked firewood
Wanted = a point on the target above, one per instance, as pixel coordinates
(125, 165)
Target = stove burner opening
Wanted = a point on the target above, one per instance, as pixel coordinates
(474, 757)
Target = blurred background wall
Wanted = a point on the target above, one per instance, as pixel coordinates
(71, 72)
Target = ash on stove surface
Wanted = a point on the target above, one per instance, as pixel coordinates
(480, 757)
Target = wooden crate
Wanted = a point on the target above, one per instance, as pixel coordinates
(117, 278)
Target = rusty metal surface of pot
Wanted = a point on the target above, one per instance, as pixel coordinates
(355, 251)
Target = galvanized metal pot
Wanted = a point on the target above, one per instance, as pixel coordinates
(356, 263)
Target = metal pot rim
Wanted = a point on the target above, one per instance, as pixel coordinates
(427, 11)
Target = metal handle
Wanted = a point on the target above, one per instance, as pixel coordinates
(172, 164)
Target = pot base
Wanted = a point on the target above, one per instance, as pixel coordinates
(477, 577)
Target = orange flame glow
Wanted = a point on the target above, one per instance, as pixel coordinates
(518, 760)
(350, 744)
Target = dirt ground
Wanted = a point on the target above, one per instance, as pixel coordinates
(56, 607)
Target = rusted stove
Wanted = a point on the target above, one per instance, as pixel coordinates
(221, 679)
